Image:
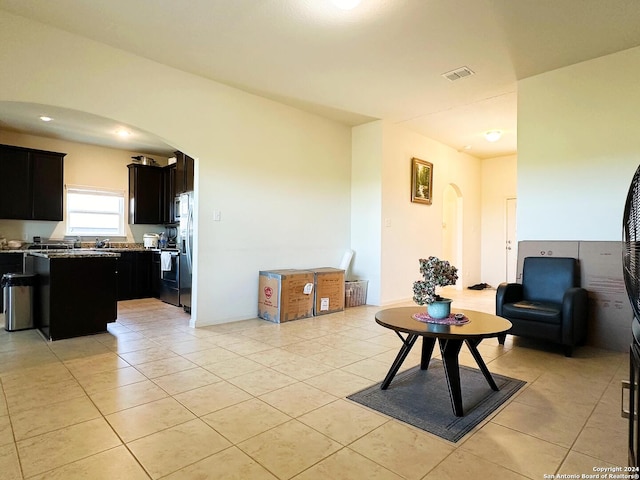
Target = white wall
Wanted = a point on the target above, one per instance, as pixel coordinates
(282, 184)
(578, 147)
(84, 164)
(366, 207)
(280, 177)
(499, 182)
(409, 231)
(415, 229)
(452, 214)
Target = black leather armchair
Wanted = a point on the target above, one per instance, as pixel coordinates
(548, 305)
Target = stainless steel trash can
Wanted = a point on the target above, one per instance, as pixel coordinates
(17, 289)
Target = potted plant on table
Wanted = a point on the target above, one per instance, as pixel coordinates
(436, 273)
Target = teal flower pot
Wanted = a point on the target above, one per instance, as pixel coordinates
(439, 308)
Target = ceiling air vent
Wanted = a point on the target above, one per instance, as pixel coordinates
(458, 73)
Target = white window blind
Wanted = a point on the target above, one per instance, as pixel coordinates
(95, 211)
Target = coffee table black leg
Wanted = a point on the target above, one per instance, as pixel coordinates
(473, 344)
(427, 350)
(449, 349)
(407, 345)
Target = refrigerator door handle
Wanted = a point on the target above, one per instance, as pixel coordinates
(189, 238)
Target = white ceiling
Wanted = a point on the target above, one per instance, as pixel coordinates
(81, 127)
(382, 60)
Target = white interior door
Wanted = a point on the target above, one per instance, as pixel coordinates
(511, 242)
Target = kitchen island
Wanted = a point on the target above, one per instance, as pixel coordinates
(75, 291)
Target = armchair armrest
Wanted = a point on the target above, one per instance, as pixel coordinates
(575, 312)
(507, 293)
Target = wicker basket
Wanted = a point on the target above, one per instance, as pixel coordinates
(355, 293)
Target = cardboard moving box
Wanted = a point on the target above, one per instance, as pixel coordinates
(329, 290)
(285, 295)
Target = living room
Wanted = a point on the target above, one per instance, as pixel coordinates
(565, 184)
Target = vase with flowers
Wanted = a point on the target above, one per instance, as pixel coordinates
(436, 273)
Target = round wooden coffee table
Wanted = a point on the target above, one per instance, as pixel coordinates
(450, 338)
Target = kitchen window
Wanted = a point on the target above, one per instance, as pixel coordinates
(95, 211)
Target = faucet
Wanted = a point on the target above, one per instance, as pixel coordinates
(102, 243)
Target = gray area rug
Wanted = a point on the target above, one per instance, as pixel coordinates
(421, 398)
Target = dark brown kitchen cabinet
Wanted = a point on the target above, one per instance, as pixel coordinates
(134, 275)
(124, 269)
(146, 194)
(31, 184)
(15, 183)
(169, 176)
(143, 281)
(47, 186)
(74, 296)
(184, 173)
(156, 273)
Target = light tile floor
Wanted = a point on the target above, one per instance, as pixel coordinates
(154, 398)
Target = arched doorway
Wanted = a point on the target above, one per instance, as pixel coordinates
(96, 158)
(452, 233)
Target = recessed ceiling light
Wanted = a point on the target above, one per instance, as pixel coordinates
(493, 135)
(44, 118)
(346, 4)
(467, 147)
(123, 133)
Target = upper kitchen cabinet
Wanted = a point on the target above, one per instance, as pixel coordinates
(146, 194)
(184, 173)
(47, 185)
(15, 183)
(31, 184)
(169, 175)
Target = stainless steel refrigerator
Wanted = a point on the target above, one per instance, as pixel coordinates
(185, 244)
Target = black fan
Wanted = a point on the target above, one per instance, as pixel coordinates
(631, 272)
(631, 237)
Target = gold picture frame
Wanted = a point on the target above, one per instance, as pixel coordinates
(421, 181)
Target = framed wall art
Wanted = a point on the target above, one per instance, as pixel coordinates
(421, 181)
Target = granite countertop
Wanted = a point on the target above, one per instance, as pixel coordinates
(115, 247)
(89, 247)
(73, 253)
(119, 249)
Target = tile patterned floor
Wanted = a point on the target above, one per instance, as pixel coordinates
(153, 398)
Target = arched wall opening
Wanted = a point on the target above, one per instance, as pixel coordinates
(95, 156)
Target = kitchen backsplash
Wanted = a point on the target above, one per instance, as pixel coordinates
(24, 231)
